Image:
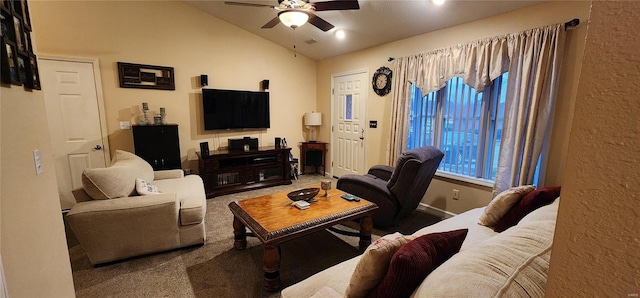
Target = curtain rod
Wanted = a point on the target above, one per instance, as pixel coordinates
(568, 25)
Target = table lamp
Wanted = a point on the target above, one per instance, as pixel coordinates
(312, 120)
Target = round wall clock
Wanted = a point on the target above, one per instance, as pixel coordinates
(381, 81)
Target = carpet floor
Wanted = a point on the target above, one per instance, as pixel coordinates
(216, 269)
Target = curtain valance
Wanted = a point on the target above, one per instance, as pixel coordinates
(478, 63)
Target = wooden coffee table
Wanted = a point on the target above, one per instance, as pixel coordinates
(273, 220)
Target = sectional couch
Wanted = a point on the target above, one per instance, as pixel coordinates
(513, 263)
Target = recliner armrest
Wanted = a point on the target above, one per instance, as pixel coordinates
(167, 174)
(382, 172)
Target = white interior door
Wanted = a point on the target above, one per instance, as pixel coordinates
(348, 139)
(71, 99)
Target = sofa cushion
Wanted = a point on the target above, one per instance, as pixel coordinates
(117, 180)
(145, 188)
(530, 202)
(190, 192)
(502, 203)
(511, 264)
(415, 260)
(374, 264)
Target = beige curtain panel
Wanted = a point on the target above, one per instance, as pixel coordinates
(532, 58)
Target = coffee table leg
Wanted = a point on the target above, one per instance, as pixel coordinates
(271, 267)
(240, 234)
(366, 225)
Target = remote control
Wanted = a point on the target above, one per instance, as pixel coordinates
(348, 197)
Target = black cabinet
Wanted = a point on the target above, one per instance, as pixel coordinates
(158, 145)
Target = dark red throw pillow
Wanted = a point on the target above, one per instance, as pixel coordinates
(532, 201)
(411, 264)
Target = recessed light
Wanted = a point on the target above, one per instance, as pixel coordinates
(340, 34)
(438, 2)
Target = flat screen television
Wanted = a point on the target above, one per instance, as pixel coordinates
(235, 109)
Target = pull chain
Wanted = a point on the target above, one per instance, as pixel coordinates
(295, 50)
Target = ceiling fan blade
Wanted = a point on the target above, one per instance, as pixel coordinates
(320, 22)
(336, 5)
(248, 4)
(272, 23)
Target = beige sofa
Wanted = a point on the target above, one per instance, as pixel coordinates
(513, 263)
(112, 222)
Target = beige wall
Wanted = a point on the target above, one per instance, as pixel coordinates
(172, 33)
(33, 246)
(440, 192)
(596, 247)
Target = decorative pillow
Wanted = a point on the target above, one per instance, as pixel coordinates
(415, 260)
(530, 202)
(117, 180)
(502, 203)
(374, 264)
(145, 188)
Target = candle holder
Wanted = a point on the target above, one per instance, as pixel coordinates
(145, 111)
(163, 116)
(326, 186)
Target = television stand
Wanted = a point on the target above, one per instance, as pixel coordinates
(231, 171)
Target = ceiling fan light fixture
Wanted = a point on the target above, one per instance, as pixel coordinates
(438, 2)
(340, 34)
(293, 18)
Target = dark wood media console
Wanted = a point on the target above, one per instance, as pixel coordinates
(226, 172)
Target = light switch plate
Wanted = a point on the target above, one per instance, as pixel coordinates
(37, 162)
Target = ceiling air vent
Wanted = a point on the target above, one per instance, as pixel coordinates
(311, 41)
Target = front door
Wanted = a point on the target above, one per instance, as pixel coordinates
(348, 142)
(71, 100)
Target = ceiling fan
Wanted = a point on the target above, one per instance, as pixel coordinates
(295, 13)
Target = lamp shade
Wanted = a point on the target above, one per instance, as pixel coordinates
(293, 18)
(313, 119)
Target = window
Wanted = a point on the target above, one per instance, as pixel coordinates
(466, 125)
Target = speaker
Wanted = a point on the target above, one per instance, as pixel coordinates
(204, 148)
(265, 84)
(204, 80)
(277, 142)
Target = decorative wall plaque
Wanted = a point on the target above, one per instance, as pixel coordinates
(146, 76)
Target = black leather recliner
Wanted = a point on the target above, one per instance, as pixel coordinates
(396, 190)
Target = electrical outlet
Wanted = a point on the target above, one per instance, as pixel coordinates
(125, 125)
(456, 194)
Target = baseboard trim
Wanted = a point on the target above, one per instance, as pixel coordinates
(435, 211)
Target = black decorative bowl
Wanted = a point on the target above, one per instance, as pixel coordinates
(305, 194)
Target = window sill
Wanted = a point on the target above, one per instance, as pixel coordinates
(466, 179)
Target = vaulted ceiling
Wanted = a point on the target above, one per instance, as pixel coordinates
(376, 22)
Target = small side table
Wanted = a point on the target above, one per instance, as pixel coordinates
(313, 154)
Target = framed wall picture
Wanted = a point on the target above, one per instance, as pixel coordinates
(22, 68)
(16, 7)
(19, 64)
(5, 5)
(26, 19)
(5, 76)
(12, 63)
(34, 74)
(17, 26)
(6, 26)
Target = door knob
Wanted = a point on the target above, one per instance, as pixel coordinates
(98, 147)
